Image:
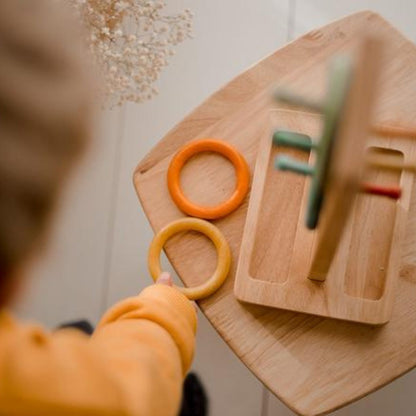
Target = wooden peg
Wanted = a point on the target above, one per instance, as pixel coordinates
(288, 97)
(394, 131)
(393, 192)
(390, 163)
(293, 139)
(287, 163)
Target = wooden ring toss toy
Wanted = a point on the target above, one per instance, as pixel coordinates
(213, 233)
(341, 72)
(339, 81)
(352, 259)
(208, 145)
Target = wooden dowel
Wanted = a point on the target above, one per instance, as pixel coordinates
(288, 97)
(393, 192)
(295, 140)
(394, 131)
(390, 163)
(284, 162)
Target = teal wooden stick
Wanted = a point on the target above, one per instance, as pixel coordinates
(293, 139)
(284, 162)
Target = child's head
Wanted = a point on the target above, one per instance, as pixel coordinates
(45, 118)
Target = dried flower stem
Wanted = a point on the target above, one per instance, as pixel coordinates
(131, 41)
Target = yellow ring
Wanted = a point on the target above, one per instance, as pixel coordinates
(213, 233)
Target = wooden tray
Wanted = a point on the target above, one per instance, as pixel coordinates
(277, 249)
(313, 364)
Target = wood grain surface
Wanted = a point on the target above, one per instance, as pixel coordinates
(313, 364)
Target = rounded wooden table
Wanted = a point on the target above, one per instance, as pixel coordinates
(314, 365)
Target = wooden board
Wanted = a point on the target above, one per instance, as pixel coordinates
(277, 249)
(313, 364)
(345, 170)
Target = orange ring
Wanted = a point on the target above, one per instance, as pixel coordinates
(208, 145)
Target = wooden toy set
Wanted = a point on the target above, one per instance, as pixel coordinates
(319, 132)
(343, 243)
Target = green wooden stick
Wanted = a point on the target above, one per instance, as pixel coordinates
(293, 139)
(284, 162)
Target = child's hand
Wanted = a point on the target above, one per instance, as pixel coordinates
(166, 279)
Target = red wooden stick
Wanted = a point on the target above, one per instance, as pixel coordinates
(393, 192)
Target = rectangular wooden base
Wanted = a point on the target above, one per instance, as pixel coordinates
(277, 248)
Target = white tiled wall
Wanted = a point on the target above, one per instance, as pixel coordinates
(98, 250)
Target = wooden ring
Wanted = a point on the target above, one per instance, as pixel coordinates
(208, 145)
(213, 233)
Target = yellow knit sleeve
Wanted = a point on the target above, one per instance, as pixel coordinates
(149, 341)
(166, 307)
(133, 365)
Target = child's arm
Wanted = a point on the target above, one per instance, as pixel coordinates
(134, 364)
(163, 322)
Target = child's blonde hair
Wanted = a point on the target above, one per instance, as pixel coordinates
(45, 118)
